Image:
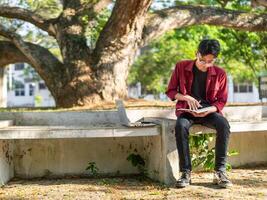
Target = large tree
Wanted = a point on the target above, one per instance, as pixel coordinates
(84, 73)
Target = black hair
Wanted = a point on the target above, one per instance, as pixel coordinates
(209, 46)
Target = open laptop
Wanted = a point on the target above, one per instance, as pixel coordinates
(125, 120)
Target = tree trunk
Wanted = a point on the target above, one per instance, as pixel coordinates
(103, 75)
(92, 82)
(78, 85)
(103, 85)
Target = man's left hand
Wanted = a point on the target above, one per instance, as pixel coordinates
(204, 114)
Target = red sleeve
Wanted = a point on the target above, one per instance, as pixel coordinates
(172, 89)
(222, 93)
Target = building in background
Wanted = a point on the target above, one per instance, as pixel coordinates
(25, 88)
(242, 92)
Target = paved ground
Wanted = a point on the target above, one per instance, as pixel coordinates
(248, 184)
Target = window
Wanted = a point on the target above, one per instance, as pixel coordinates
(42, 86)
(243, 87)
(250, 88)
(31, 89)
(19, 89)
(19, 66)
(235, 88)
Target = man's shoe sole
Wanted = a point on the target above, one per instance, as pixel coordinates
(183, 185)
(222, 185)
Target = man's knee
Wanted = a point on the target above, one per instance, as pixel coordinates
(222, 124)
(181, 124)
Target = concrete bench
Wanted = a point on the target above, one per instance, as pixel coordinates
(10, 134)
(42, 143)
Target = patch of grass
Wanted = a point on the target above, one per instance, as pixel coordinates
(92, 168)
(155, 193)
(139, 162)
(109, 181)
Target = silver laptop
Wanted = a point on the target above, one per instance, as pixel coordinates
(125, 120)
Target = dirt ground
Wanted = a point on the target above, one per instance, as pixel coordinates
(130, 103)
(248, 184)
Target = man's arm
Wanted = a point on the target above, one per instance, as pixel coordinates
(222, 94)
(173, 88)
(173, 85)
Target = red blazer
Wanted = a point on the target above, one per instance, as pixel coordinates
(182, 78)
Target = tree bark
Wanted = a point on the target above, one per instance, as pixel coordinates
(117, 46)
(162, 21)
(78, 88)
(10, 54)
(29, 16)
(257, 3)
(102, 75)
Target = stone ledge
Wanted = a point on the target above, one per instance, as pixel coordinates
(6, 123)
(56, 132)
(236, 127)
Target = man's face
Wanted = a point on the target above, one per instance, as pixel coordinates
(205, 61)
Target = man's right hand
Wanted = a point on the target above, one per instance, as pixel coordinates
(192, 102)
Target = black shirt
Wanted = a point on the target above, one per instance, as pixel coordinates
(198, 88)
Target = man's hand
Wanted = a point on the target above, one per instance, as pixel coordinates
(204, 114)
(192, 102)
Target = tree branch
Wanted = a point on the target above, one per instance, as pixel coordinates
(44, 62)
(257, 3)
(9, 54)
(28, 16)
(123, 29)
(181, 16)
(93, 8)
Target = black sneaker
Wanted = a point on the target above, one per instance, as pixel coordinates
(221, 179)
(184, 180)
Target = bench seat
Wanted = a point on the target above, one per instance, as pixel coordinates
(8, 132)
(236, 127)
(57, 132)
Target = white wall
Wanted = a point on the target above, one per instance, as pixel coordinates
(247, 97)
(46, 99)
(3, 84)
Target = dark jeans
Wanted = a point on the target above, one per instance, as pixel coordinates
(213, 120)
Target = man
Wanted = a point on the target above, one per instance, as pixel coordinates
(196, 84)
